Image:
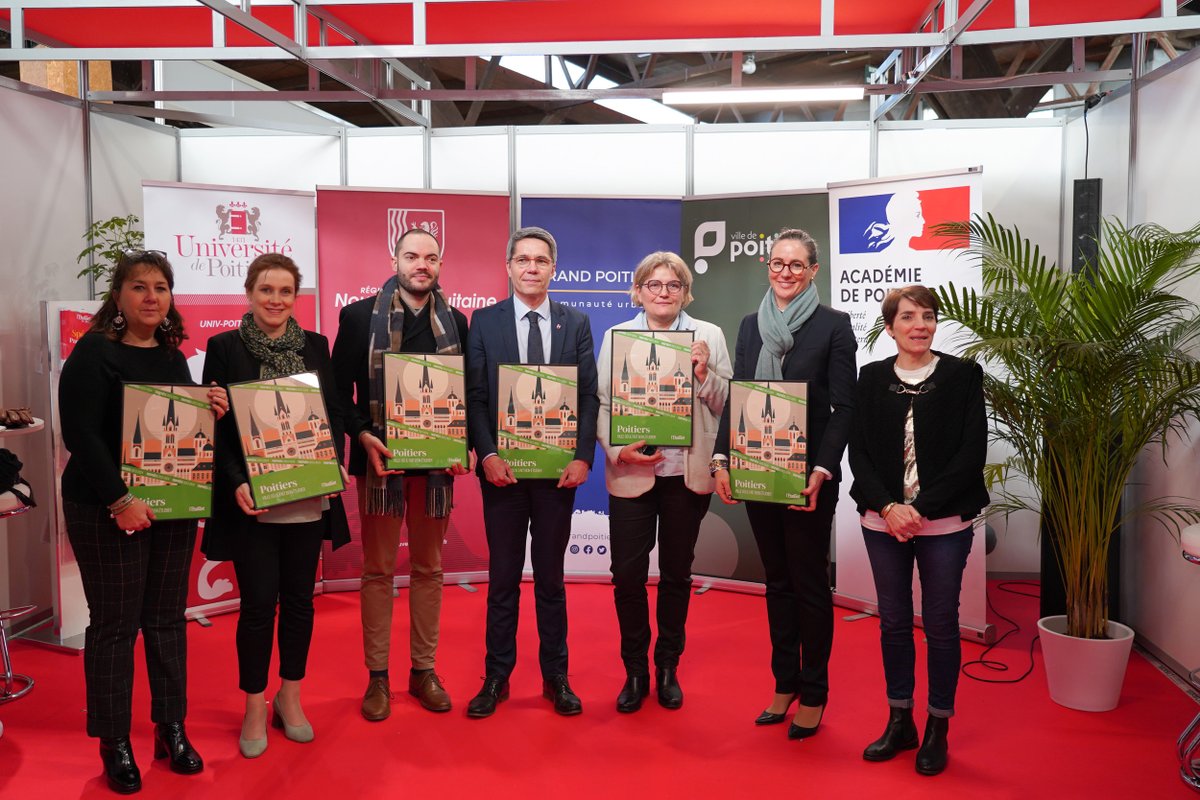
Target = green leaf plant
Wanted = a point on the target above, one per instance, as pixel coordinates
(107, 239)
(1084, 371)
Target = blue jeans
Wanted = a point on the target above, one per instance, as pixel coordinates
(940, 561)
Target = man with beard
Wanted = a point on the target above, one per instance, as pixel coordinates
(409, 315)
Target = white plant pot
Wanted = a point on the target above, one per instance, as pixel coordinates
(1085, 674)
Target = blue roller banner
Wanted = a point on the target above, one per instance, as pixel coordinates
(600, 242)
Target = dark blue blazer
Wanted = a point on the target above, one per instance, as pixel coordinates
(823, 354)
(493, 340)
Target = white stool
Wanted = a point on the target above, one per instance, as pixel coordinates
(10, 678)
(1188, 746)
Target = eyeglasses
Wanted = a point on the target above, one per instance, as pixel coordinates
(656, 287)
(133, 253)
(776, 265)
(541, 262)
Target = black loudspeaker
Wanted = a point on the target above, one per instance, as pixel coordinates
(1085, 224)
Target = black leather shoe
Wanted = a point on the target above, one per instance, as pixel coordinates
(635, 690)
(768, 717)
(803, 732)
(557, 689)
(669, 693)
(900, 734)
(495, 690)
(934, 752)
(170, 740)
(120, 769)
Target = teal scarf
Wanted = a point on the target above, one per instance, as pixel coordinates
(778, 329)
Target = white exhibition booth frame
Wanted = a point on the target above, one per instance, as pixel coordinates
(65, 168)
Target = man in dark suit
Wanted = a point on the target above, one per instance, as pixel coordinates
(409, 315)
(528, 328)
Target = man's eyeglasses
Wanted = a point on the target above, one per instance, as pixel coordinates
(656, 287)
(541, 262)
(776, 265)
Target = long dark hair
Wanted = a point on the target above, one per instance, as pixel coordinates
(131, 263)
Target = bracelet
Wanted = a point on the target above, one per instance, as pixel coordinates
(717, 464)
(120, 505)
(887, 509)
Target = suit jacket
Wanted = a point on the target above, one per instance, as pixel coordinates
(823, 355)
(634, 480)
(351, 371)
(228, 361)
(493, 341)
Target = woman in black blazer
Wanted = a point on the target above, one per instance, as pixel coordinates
(917, 450)
(274, 551)
(794, 338)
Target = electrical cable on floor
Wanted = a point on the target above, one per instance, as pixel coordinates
(1000, 666)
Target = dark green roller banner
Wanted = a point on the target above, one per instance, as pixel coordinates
(727, 242)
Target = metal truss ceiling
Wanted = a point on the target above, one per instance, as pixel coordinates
(435, 61)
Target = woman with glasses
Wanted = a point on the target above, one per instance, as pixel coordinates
(917, 450)
(274, 551)
(792, 337)
(665, 490)
(134, 568)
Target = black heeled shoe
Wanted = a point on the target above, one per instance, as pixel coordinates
(803, 732)
(768, 717)
(900, 734)
(120, 769)
(170, 741)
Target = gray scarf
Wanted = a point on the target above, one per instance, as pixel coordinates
(778, 329)
(278, 357)
(385, 496)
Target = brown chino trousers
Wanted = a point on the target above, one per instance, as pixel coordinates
(380, 540)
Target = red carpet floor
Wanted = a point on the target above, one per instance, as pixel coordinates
(1008, 741)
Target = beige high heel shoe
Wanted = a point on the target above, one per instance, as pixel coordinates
(297, 733)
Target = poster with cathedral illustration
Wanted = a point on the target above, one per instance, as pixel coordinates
(652, 387)
(167, 448)
(538, 421)
(286, 438)
(426, 410)
(768, 447)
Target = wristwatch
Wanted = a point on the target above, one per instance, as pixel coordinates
(717, 464)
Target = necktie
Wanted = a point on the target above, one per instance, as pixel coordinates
(534, 352)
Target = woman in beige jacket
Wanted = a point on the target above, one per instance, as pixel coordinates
(664, 491)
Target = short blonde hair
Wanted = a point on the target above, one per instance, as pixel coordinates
(662, 258)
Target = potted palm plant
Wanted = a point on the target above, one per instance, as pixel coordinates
(1085, 372)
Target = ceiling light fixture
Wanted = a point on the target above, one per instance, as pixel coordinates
(797, 94)
(750, 65)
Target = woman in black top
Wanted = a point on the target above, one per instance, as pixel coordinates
(274, 551)
(917, 450)
(134, 569)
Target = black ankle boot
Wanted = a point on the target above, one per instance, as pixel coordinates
(900, 734)
(120, 769)
(931, 758)
(170, 740)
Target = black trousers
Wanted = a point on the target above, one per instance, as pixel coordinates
(275, 564)
(538, 508)
(674, 512)
(794, 546)
(131, 583)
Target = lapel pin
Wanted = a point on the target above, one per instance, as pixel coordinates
(558, 327)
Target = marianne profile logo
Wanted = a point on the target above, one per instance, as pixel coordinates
(238, 219)
(402, 220)
(906, 219)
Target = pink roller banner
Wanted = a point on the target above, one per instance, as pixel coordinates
(356, 232)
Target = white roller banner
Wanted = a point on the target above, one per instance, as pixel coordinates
(881, 237)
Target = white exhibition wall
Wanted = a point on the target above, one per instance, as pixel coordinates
(1026, 166)
(42, 215)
